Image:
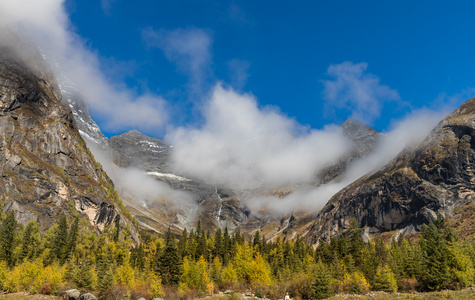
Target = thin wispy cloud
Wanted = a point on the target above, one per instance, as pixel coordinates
(238, 72)
(189, 49)
(238, 16)
(356, 91)
(107, 6)
(46, 26)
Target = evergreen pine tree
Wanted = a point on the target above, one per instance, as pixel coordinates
(227, 246)
(7, 237)
(170, 261)
(218, 244)
(321, 285)
(72, 238)
(116, 233)
(385, 280)
(216, 271)
(434, 250)
(61, 240)
(182, 242)
(256, 242)
(84, 277)
(105, 275)
(28, 244)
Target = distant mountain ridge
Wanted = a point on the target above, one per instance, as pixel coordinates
(416, 187)
(215, 207)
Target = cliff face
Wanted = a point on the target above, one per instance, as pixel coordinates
(364, 140)
(46, 169)
(414, 188)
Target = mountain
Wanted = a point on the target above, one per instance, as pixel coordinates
(421, 183)
(142, 152)
(214, 207)
(364, 141)
(219, 207)
(46, 169)
(299, 220)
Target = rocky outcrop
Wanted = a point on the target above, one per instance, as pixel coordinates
(141, 151)
(421, 183)
(364, 140)
(46, 170)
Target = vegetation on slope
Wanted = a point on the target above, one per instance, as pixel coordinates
(68, 255)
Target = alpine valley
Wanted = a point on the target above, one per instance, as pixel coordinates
(48, 169)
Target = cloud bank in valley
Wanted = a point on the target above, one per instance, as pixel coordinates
(46, 24)
(243, 146)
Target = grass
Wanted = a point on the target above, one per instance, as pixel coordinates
(466, 294)
(462, 294)
(24, 296)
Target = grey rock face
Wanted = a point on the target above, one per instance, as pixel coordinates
(213, 207)
(364, 141)
(46, 170)
(88, 129)
(412, 189)
(72, 294)
(87, 296)
(142, 152)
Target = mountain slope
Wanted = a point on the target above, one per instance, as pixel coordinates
(46, 169)
(421, 182)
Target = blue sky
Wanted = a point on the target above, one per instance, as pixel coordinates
(280, 51)
(251, 93)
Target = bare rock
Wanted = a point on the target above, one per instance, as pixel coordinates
(87, 296)
(72, 294)
(420, 184)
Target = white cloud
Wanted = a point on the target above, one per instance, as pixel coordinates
(238, 72)
(189, 49)
(402, 135)
(46, 24)
(107, 6)
(138, 186)
(355, 90)
(244, 146)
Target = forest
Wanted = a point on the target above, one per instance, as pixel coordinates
(70, 255)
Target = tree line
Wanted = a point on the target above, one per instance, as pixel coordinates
(72, 255)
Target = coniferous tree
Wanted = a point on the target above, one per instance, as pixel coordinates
(61, 240)
(83, 277)
(321, 286)
(72, 238)
(202, 249)
(434, 250)
(116, 233)
(170, 261)
(385, 279)
(7, 237)
(105, 275)
(216, 271)
(218, 244)
(191, 245)
(182, 242)
(137, 257)
(256, 242)
(29, 245)
(227, 246)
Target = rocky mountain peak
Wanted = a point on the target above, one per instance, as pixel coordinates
(422, 182)
(356, 130)
(141, 151)
(364, 140)
(46, 170)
